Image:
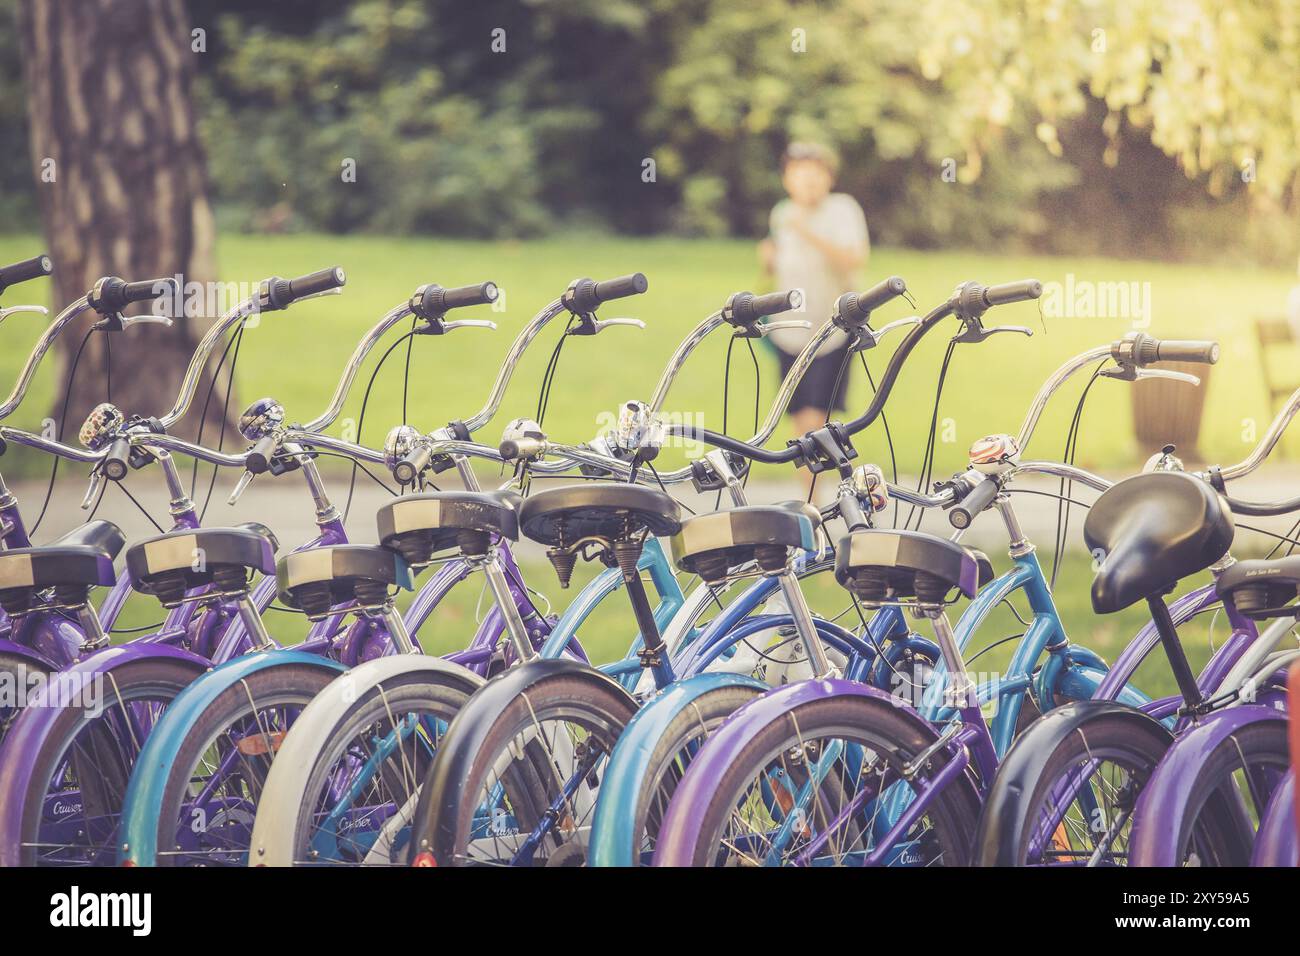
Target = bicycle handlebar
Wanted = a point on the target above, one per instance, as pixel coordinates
(858, 306)
(433, 301)
(277, 293)
(112, 294)
(743, 309)
(583, 296)
(24, 271)
(1022, 290)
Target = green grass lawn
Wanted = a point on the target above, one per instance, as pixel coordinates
(297, 355)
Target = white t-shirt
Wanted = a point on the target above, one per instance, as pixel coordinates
(801, 265)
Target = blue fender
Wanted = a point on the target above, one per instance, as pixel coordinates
(32, 728)
(612, 840)
(138, 837)
(1006, 807)
(1275, 842)
(1160, 815)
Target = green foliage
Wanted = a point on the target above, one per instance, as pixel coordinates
(1131, 127)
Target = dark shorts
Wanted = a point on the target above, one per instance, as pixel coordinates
(817, 389)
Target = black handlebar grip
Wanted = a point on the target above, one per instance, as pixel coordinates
(433, 301)
(148, 289)
(1007, 292)
(744, 308)
(515, 448)
(1184, 350)
(277, 293)
(111, 295)
(409, 467)
(32, 268)
(316, 282)
(584, 295)
(881, 292)
(975, 501)
(260, 455)
(854, 308)
(117, 460)
(622, 287)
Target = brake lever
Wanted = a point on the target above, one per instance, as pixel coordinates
(92, 492)
(337, 290)
(1169, 374)
(469, 324)
(15, 309)
(241, 487)
(766, 327)
(975, 331)
(116, 323)
(600, 324)
(871, 337)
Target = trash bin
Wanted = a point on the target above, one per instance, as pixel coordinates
(1169, 413)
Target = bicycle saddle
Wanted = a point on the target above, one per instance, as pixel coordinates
(559, 517)
(82, 558)
(711, 544)
(419, 526)
(316, 579)
(170, 564)
(880, 564)
(1151, 530)
(1259, 586)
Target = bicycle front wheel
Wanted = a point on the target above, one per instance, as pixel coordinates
(821, 784)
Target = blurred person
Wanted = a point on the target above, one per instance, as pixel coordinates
(817, 242)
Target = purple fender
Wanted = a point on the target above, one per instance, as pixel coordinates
(679, 831)
(29, 731)
(26, 653)
(1159, 817)
(1276, 843)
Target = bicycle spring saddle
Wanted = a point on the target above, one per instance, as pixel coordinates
(79, 560)
(316, 579)
(611, 517)
(885, 565)
(420, 526)
(561, 517)
(710, 545)
(170, 564)
(1152, 530)
(1262, 588)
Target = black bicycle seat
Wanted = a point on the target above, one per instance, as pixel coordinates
(559, 517)
(1150, 531)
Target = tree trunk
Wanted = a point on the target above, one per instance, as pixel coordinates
(122, 184)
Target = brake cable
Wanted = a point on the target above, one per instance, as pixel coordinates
(1066, 486)
(927, 462)
(361, 417)
(225, 413)
(63, 419)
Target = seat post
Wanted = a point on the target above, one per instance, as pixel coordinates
(253, 622)
(1174, 651)
(627, 553)
(505, 599)
(804, 625)
(397, 630)
(961, 689)
(88, 618)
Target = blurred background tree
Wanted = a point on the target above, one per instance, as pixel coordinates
(1134, 127)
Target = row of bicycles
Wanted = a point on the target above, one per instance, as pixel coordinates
(740, 727)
